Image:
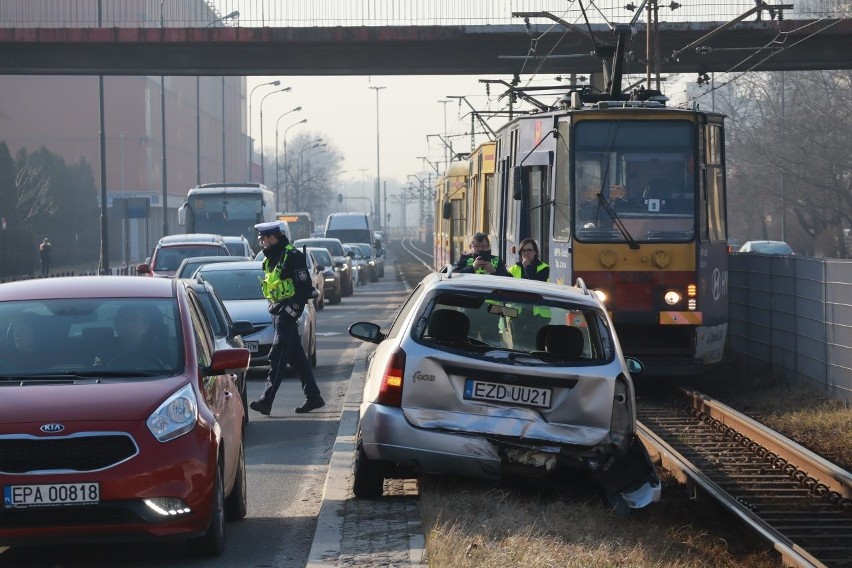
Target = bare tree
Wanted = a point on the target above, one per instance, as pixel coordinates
(787, 137)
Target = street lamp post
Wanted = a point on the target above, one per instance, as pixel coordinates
(316, 143)
(377, 198)
(272, 84)
(262, 166)
(286, 168)
(277, 187)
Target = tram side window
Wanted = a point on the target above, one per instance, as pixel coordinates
(716, 224)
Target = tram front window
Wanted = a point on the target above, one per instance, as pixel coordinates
(639, 175)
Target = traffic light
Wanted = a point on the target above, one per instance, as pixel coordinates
(340, 198)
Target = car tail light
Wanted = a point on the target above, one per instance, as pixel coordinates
(390, 392)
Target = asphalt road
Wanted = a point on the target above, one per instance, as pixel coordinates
(287, 457)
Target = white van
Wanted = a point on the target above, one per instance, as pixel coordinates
(350, 228)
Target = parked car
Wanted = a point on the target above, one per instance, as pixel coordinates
(371, 259)
(238, 285)
(491, 377)
(359, 264)
(330, 273)
(341, 261)
(767, 247)
(239, 246)
(98, 443)
(316, 278)
(172, 249)
(190, 265)
(227, 333)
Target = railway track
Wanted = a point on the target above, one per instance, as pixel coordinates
(799, 502)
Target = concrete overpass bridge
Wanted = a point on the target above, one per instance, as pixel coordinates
(411, 37)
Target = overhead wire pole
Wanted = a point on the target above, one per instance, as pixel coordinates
(377, 218)
(447, 151)
(104, 260)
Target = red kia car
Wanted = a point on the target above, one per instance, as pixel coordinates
(119, 419)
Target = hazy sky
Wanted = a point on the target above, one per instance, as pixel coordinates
(342, 110)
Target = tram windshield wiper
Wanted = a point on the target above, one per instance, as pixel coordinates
(617, 222)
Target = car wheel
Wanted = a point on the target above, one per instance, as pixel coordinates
(212, 542)
(236, 504)
(369, 480)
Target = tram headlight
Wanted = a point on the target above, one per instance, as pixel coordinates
(672, 298)
(692, 304)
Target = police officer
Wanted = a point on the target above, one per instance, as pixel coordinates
(480, 260)
(288, 287)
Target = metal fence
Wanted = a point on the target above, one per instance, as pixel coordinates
(792, 317)
(330, 13)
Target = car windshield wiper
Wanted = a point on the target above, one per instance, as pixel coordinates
(617, 222)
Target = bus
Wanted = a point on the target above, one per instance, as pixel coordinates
(227, 209)
(300, 224)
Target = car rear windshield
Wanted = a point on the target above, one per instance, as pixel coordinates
(547, 329)
(169, 258)
(243, 284)
(334, 247)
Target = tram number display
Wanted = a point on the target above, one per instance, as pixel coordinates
(51, 495)
(636, 277)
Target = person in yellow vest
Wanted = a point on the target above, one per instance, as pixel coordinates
(529, 265)
(480, 260)
(288, 287)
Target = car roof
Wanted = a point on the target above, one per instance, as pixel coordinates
(88, 287)
(213, 259)
(299, 242)
(234, 238)
(205, 238)
(241, 265)
(488, 282)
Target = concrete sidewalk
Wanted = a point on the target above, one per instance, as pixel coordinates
(364, 532)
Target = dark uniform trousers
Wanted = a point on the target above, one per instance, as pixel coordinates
(287, 349)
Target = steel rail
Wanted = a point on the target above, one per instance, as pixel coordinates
(796, 500)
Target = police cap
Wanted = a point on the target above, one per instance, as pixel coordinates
(270, 228)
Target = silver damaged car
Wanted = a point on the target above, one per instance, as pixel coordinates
(495, 377)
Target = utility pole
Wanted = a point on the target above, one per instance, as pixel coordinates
(377, 219)
(447, 151)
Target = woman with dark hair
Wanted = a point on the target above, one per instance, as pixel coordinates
(529, 265)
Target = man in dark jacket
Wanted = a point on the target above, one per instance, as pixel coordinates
(288, 287)
(480, 260)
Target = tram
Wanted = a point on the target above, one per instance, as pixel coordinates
(628, 194)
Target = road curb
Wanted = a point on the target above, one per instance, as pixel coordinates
(325, 549)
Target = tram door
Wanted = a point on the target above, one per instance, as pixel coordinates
(535, 207)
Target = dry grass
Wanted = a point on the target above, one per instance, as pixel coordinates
(471, 525)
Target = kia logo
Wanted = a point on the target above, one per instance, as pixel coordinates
(52, 428)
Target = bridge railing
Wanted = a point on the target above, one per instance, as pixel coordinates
(330, 13)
